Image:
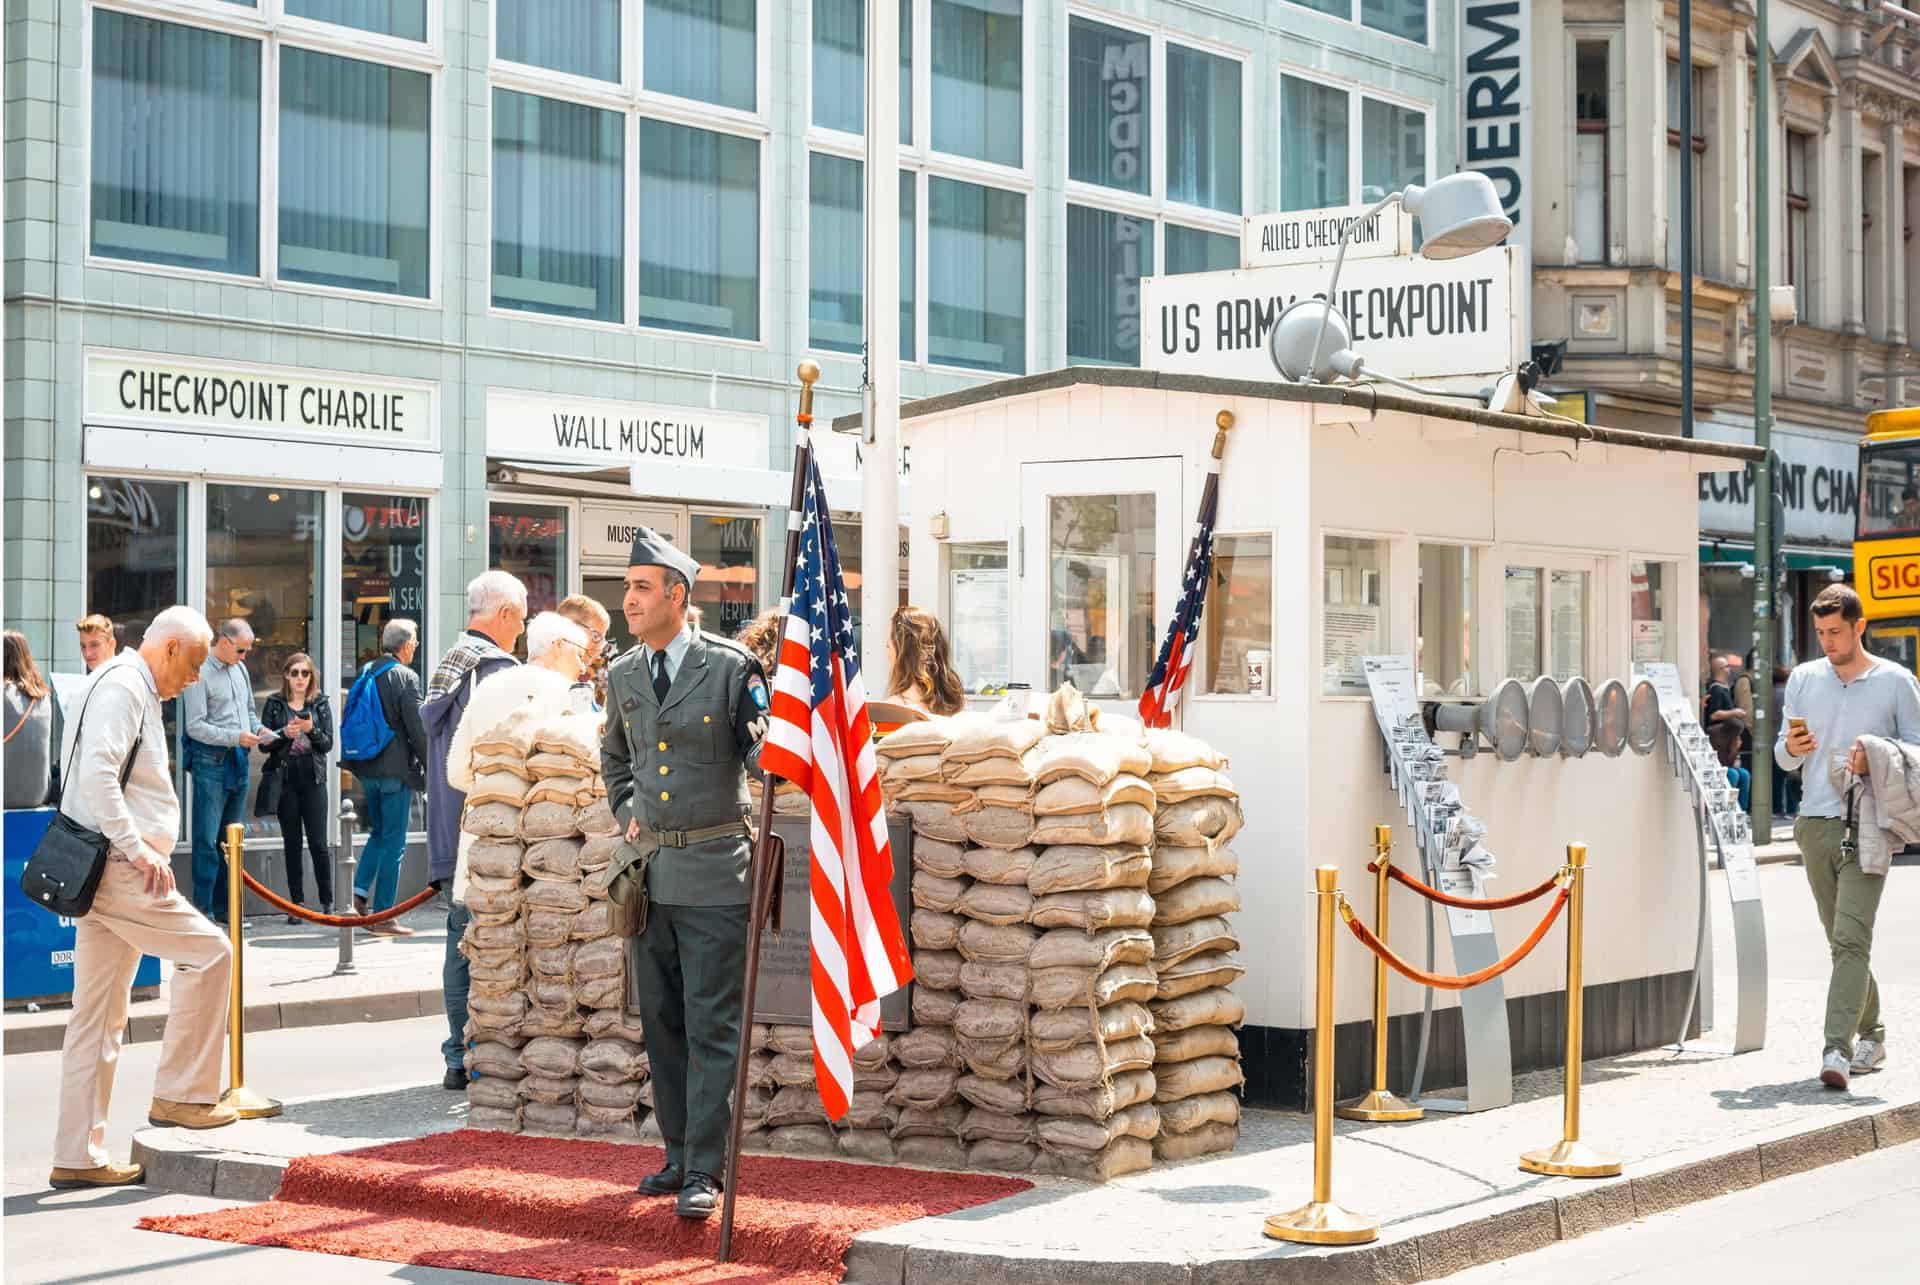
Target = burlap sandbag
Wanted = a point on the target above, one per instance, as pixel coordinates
(787, 1037)
(508, 936)
(551, 992)
(612, 1061)
(874, 1053)
(547, 820)
(935, 929)
(1208, 819)
(996, 903)
(544, 764)
(1172, 751)
(503, 968)
(1078, 1133)
(1197, 973)
(995, 1059)
(930, 791)
(493, 896)
(545, 1088)
(512, 735)
(1093, 911)
(1095, 1101)
(553, 859)
(1018, 797)
(930, 1122)
(502, 763)
(899, 771)
(926, 1087)
(1122, 1157)
(793, 1070)
(491, 917)
(996, 827)
(498, 787)
(556, 1059)
(1215, 1006)
(1075, 867)
(595, 921)
(596, 820)
(1085, 1064)
(994, 981)
(553, 894)
(935, 820)
(977, 737)
(1192, 783)
(800, 1139)
(496, 1061)
(1008, 1097)
(869, 1146)
(575, 735)
(1071, 948)
(1051, 988)
(1173, 865)
(1127, 823)
(1189, 1114)
(939, 969)
(566, 1023)
(547, 927)
(1206, 1140)
(997, 1156)
(930, 736)
(494, 858)
(1196, 899)
(1177, 1080)
(994, 865)
(486, 1091)
(1056, 1030)
(612, 1023)
(599, 992)
(935, 1007)
(497, 1013)
(493, 1120)
(870, 1110)
(1094, 756)
(875, 1079)
(1006, 1127)
(935, 892)
(1175, 942)
(990, 1019)
(937, 857)
(553, 960)
(996, 770)
(1073, 795)
(760, 1071)
(930, 1152)
(925, 1046)
(996, 943)
(597, 852)
(491, 820)
(795, 1105)
(1195, 1042)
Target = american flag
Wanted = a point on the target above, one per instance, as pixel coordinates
(1169, 677)
(818, 737)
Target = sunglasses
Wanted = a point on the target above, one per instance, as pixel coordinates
(243, 651)
(299, 673)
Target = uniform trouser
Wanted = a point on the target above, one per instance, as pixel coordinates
(688, 972)
(1847, 899)
(125, 923)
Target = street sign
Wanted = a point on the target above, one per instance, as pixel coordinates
(1313, 236)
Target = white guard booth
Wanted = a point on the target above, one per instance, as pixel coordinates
(1053, 517)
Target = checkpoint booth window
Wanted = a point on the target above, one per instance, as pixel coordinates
(1653, 606)
(1238, 622)
(1548, 617)
(1447, 646)
(977, 613)
(1355, 616)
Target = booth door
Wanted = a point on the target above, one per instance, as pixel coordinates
(1102, 543)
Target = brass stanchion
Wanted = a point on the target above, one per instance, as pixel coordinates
(244, 1101)
(1322, 1222)
(1381, 1104)
(1570, 1157)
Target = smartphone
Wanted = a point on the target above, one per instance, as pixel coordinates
(1796, 724)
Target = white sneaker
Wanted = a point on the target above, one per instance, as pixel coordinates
(1868, 1056)
(1834, 1069)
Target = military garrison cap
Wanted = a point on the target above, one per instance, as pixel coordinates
(651, 549)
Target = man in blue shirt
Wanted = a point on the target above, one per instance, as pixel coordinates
(221, 726)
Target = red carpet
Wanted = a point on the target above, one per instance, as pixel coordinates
(565, 1210)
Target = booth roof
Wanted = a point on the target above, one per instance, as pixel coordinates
(1367, 397)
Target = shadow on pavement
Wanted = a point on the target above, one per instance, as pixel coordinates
(1806, 1092)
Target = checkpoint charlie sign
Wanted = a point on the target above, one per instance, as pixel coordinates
(1313, 236)
(1410, 317)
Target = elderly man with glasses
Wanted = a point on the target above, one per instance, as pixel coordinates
(221, 726)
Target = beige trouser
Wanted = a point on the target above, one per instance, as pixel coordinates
(125, 923)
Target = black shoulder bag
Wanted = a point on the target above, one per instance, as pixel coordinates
(64, 871)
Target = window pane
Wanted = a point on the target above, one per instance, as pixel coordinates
(977, 618)
(1523, 623)
(1567, 602)
(1100, 616)
(176, 144)
(383, 569)
(1393, 148)
(1107, 254)
(840, 66)
(1405, 18)
(404, 18)
(702, 49)
(1354, 603)
(1203, 129)
(836, 256)
(354, 173)
(1191, 250)
(1338, 8)
(580, 37)
(1239, 616)
(1109, 106)
(976, 276)
(1656, 624)
(530, 540)
(728, 589)
(909, 232)
(1590, 197)
(1444, 650)
(976, 79)
(558, 207)
(700, 235)
(1313, 145)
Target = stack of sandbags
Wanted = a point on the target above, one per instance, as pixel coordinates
(928, 1110)
(1194, 888)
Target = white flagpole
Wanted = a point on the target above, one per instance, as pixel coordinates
(880, 429)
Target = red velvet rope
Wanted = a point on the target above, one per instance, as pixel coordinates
(1465, 903)
(1440, 981)
(338, 921)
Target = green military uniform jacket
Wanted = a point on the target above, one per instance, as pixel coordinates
(682, 764)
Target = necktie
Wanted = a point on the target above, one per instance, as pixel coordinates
(660, 681)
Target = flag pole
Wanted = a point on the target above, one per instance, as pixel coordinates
(1222, 424)
(767, 872)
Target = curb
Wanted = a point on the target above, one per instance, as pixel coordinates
(45, 1035)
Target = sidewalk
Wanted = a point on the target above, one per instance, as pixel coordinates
(290, 981)
(1447, 1190)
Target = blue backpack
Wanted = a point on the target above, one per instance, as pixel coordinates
(364, 730)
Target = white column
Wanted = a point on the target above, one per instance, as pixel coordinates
(1853, 304)
(1893, 217)
(880, 487)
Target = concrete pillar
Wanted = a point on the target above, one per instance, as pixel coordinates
(1893, 206)
(1853, 316)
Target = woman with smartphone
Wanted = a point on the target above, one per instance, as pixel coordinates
(302, 721)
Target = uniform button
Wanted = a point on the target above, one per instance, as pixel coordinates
(663, 769)
(707, 718)
(663, 747)
(664, 796)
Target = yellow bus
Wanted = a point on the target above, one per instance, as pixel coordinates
(1886, 547)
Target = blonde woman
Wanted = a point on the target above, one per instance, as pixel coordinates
(923, 676)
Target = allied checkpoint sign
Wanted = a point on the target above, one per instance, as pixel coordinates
(1410, 317)
(1313, 236)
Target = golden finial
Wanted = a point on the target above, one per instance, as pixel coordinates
(1223, 421)
(809, 373)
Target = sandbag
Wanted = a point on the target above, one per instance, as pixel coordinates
(491, 821)
(545, 764)
(494, 858)
(1123, 1156)
(870, 1111)
(993, 903)
(976, 737)
(1074, 795)
(1195, 1042)
(1172, 750)
(1196, 899)
(1127, 823)
(493, 896)
(793, 1070)
(498, 787)
(872, 1055)
(598, 850)
(511, 935)
(934, 1007)
(870, 1146)
(596, 820)
(1004, 1126)
(1008, 1097)
(501, 763)
(1052, 988)
(485, 1091)
(801, 1140)
(927, 1087)
(994, 981)
(918, 767)
(593, 922)
(1198, 821)
(930, 1122)
(925, 1046)
(1085, 1064)
(935, 929)
(931, 1152)
(1175, 942)
(494, 1120)
(552, 858)
(1071, 948)
(613, 1060)
(1207, 1140)
(926, 791)
(1189, 1114)
(930, 736)
(550, 992)
(1095, 1101)
(1017, 796)
(992, 771)
(1092, 911)
(1174, 865)
(575, 735)
(508, 967)
(549, 819)
(565, 1023)
(495, 1061)
(553, 894)
(599, 992)
(595, 1123)
(1192, 783)
(993, 1059)
(1002, 1157)
(995, 865)
(1197, 973)
(611, 1023)
(1177, 1080)
(1075, 867)
(934, 820)
(553, 1058)
(997, 827)
(939, 969)
(795, 1105)
(501, 1012)
(937, 857)
(1078, 1133)
(554, 961)
(1061, 1029)
(542, 1088)
(1215, 1006)
(513, 734)
(1094, 756)
(787, 1037)
(996, 943)
(547, 927)
(990, 1019)
(934, 892)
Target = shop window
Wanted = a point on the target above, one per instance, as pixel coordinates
(978, 631)
(976, 276)
(1354, 611)
(578, 37)
(836, 263)
(354, 173)
(1239, 617)
(728, 590)
(1107, 254)
(840, 67)
(406, 19)
(978, 111)
(702, 49)
(176, 144)
(1547, 623)
(530, 540)
(1655, 587)
(558, 207)
(1726, 608)
(1191, 250)
(1445, 650)
(700, 239)
(1100, 617)
(847, 535)
(383, 577)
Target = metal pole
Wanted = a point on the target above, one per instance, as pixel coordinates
(1764, 647)
(246, 1103)
(1570, 1157)
(880, 422)
(1380, 1104)
(344, 865)
(1687, 195)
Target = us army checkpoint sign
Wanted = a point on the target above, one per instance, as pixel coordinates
(1411, 317)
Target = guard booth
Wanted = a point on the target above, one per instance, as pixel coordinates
(1052, 520)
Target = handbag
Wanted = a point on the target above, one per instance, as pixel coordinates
(63, 874)
(267, 802)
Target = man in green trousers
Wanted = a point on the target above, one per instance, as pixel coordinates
(686, 712)
(1830, 704)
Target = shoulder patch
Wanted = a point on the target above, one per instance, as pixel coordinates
(757, 689)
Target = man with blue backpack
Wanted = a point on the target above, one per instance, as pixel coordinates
(384, 744)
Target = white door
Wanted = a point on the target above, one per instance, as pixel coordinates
(1100, 553)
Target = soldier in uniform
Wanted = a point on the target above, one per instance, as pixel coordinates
(685, 715)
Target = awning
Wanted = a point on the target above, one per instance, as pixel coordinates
(1802, 558)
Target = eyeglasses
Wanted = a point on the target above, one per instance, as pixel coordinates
(242, 651)
(299, 673)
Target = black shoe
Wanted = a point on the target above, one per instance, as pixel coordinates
(456, 1078)
(665, 1183)
(295, 919)
(359, 904)
(699, 1198)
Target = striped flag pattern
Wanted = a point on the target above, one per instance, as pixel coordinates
(819, 738)
(1169, 676)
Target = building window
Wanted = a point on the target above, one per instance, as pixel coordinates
(1353, 611)
(1404, 18)
(1239, 617)
(1592, 214)
(1110, 112)
(702, 49)
(836, 263)
(1191, 250)
(1873, 266)
(700, 239)
(355, 171)
(977, 615)
(576, 37)
(383, 577)
(1107, 254)
(1393, 148)
(840, 67)
(728, 588)
(976, 276)
(1696, 153)
(977, 104)
(406, 19)
(1655, 611)
(1324, 162)
(1445, 650)
(1203, 129)
(1546, 620)
(1800, 153)
(176, 145)
(1100, 613)
(559, 209)
(530, 540)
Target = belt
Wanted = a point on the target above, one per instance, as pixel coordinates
(686, 838)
